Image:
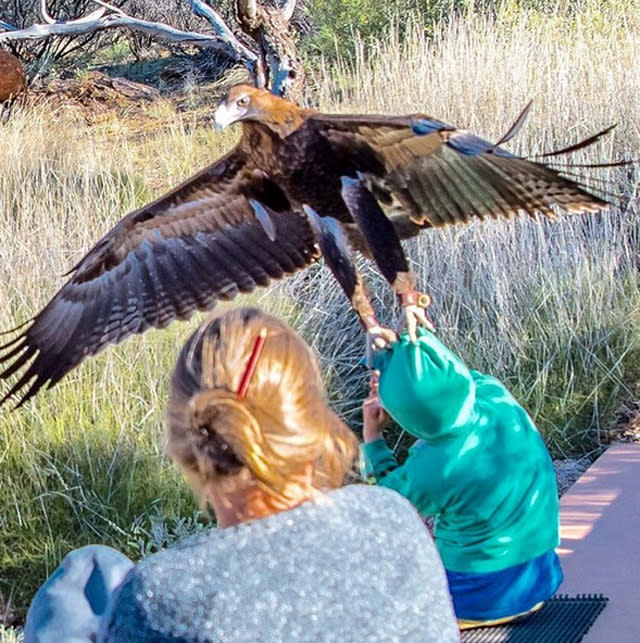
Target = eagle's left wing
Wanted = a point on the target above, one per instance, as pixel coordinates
(435, 174)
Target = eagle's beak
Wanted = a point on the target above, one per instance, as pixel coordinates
(225, 116)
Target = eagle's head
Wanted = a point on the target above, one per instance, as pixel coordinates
(247, 103)
(243, 102)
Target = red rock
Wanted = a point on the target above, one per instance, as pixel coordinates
(13, 79)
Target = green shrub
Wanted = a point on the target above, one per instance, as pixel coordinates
(334, 23)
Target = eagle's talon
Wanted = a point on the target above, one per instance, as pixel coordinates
(414, 306)
(378, 338)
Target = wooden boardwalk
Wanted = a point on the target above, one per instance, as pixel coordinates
(600, 548)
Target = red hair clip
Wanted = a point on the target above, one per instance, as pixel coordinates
(251, 364)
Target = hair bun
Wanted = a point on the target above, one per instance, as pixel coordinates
(229, 434)
(214, 416)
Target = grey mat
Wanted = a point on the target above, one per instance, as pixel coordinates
(562, 619)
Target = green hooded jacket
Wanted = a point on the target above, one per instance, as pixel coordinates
(480, 466)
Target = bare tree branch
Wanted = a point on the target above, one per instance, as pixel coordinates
(218, 24)
(44, 13)
(212, 16)
(288, 9)
(111, 7)
(224, 40)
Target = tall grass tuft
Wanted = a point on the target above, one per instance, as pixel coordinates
(551, 307)
(10, 635)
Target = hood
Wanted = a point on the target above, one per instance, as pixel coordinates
(425, 388)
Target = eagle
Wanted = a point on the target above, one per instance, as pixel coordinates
(300, 184)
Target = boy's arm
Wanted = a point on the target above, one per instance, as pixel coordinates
(378, 458)
(374, 417)
(413, 480)
(380, 464)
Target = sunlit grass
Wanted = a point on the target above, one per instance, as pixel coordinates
(9, 636)
(552, 308)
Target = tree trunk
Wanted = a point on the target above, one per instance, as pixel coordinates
(270, 29)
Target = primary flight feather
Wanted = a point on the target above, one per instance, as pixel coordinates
(297, 181)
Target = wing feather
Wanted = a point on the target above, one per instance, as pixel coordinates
(254, 254)
(243, 261)
(267, 255)
(441, 175)
(200, 243)
(466, 188)
(147, 304)
(453, 206)
(480, 186)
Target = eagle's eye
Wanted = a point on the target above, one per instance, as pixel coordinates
(243, 101)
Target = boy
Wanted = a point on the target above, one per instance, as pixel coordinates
(480, 467)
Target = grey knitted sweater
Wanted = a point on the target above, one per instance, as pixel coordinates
(358, 565)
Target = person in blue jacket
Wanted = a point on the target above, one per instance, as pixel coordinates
(479, 466)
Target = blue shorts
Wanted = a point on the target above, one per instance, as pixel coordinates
(481, 597)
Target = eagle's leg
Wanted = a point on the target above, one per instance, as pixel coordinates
(387, 252)
(338, 256)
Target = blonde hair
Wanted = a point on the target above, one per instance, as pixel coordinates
(276, 430)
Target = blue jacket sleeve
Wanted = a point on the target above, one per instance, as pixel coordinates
(411, 479)
(378, 460)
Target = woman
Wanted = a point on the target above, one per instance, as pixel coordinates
(297, 558)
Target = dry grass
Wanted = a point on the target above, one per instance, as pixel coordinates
(9, 636)
(552, 308)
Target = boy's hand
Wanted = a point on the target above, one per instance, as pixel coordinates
(375, 418)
